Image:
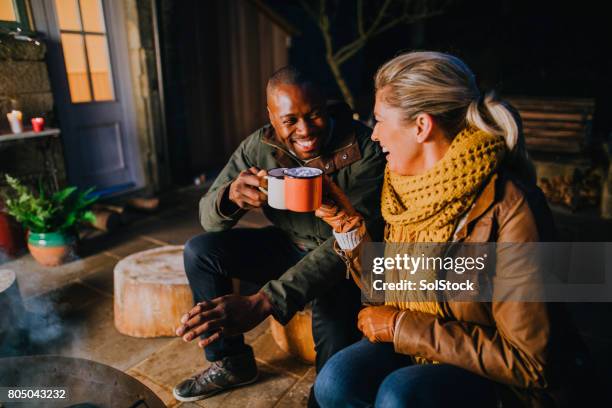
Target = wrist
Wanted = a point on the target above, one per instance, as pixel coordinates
(226, 204)
(262, 304)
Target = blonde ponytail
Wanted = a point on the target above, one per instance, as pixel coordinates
(497, 117)
(443, 86)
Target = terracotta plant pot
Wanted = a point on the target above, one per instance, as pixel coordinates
(50, 248)
(11, 235)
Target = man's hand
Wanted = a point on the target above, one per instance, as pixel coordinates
(337, 210)
(378, 323)
(244, 191)
(223, 317)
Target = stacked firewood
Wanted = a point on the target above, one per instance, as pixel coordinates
(109, 217)
(580, 190)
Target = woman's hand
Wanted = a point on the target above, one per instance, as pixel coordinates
(337, 210)
(378, 323)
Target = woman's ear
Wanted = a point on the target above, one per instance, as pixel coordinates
(424, 125)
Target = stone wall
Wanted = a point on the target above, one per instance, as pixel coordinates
(24, 85)
(24, 82)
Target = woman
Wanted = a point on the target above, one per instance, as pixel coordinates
(457, 171)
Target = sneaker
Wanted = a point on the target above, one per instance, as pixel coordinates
(229, 372)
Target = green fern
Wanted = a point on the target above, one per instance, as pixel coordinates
(61, 211)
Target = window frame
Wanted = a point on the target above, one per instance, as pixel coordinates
(84, 33)
(22, 7)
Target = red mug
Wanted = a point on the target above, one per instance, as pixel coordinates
(38, 124)
(303, 189)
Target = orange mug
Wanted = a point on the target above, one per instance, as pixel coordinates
(303, 189)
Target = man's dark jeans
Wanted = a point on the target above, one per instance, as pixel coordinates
(373, 374)
(257, 256)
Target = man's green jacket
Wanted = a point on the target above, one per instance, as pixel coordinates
(354, 162)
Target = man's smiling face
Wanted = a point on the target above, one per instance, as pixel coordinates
(297, 113)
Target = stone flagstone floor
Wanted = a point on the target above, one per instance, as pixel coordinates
(80, 294)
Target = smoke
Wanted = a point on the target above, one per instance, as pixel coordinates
(43, 322)
(34, 325)
(31, 330)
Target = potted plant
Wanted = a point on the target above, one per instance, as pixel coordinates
(50, 219)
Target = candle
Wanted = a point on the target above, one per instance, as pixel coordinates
(14, 118)
(38, 124)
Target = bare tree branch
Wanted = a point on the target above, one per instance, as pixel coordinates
(360, 18)
(406, 20)
(350, 50)
(362, 39)
(309, 11)
(321, 8)
(379, 17)
(382, 22)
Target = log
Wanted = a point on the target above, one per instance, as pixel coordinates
(106, 220)
(144, 204)
(552, 125)
(555, 116)
(295, 337)
(558, 104)
(560, 125)
(561, 134)
(554, 145)
(124, 216)
(151, 292)
(114, 208)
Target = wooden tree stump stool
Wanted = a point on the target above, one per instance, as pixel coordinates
(296, 337)
(151, 292)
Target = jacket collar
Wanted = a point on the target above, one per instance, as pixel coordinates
(483, 202)
(340, 151)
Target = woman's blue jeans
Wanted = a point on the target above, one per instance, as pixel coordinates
(372, 374)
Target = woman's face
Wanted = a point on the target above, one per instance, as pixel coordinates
(398, 140)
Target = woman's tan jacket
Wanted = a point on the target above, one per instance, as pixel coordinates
(528, 348)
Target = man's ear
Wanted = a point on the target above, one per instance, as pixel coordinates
(424, 123)
(269, 113)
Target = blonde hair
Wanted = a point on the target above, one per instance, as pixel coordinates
(444, 86)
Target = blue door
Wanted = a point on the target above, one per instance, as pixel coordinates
(89, 70)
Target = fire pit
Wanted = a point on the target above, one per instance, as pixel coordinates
(87, 383)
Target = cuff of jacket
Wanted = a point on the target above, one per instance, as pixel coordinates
(348, 241)
(280, 310)
(410, 331)
(396, 329)
(227, 217)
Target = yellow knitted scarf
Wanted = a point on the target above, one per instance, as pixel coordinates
(426, 208)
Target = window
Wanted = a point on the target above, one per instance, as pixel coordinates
(14, 14)
(85, 46)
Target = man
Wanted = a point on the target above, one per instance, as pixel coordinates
(293, 261)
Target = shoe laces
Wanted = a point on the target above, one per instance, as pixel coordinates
(208, 375)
